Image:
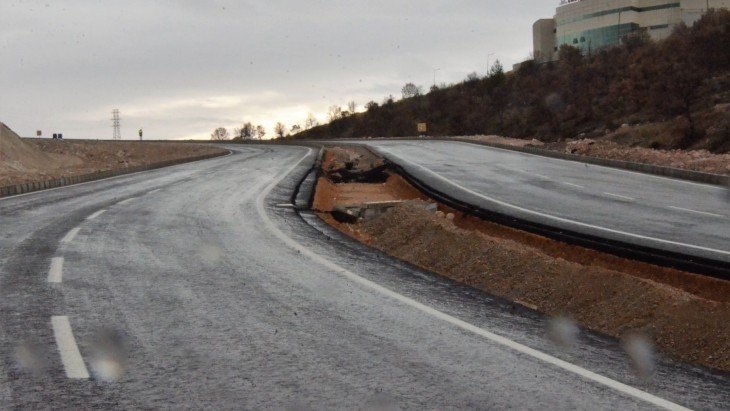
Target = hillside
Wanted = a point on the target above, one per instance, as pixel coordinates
(669, 94)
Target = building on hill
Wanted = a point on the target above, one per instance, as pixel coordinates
(595, 24)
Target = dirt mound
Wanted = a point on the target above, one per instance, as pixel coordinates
(695, 160)
(18, 155)
(35, 160)
(686, 325)
(353, 165)
(683, 314)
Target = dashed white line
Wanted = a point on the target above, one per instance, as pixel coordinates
(572, 185)
(55, 273)
(154, 191)
(70, 235)
(127, 200)
(697, 212)
(96, 214)
(619, 196)
(498, 339)
(71, 358)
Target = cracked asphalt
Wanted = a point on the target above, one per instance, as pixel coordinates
(218, 297)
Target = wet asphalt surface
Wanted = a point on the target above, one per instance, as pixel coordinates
(640, 209)
(214, 299)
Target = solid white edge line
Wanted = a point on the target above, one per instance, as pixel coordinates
(696, 212)
(230, 152)
(71, 358)
(564, 220)
(96, 214)
(55, 272)
(70, 235)
(589, 375)
(572, 185)
(127, 200)
(575, 162)
(619, 196)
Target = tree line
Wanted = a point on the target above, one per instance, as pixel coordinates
(679, 81)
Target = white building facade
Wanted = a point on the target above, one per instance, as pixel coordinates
(595, 24)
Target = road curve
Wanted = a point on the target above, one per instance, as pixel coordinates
(645, 210)
(207, 291)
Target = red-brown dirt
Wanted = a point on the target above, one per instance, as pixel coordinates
(685, 314)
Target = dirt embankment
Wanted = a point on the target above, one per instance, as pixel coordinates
(25, 160)
(684, 314)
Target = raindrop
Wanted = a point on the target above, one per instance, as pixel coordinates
(641, 352)
(563, 331)
(108, 359)
(31, 358)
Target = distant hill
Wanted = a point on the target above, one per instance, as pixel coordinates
(675, 93)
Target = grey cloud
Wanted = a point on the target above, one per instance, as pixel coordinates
(65, 66)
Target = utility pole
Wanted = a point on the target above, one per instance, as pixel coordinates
(618, 29)
(117, 134)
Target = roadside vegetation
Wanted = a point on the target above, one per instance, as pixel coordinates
(671, 94)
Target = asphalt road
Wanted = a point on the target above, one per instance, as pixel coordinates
(195, 286)
(640, 209)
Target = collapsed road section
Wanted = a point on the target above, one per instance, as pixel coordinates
(683, 313)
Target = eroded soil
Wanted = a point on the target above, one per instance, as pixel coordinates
(684, 314)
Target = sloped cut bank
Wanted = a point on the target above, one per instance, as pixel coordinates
(684, 314)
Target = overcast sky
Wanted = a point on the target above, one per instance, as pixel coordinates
(181, 68)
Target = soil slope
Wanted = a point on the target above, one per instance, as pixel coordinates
(684, 314)
(31, 160)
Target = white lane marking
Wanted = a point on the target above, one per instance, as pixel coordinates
(589, 375)
(696, 212)
(55, 273)
(619, 196)
(230, 152)
(70, 235)
(576, 162)
(70, 354)
(565, 220)
(96, 214)
(572, 185)
(154, 191)
(127, 200)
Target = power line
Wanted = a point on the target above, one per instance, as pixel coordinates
(117, 135)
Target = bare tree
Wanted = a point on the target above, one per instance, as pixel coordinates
(310, 122)
(260, 132)
(296, 128)
(246, 132)
(280, 130)
(219, 134)
(352, 107)
(411, 90)
(334, 113)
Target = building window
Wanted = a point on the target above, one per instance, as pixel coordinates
(575, 41)
(582, 39)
